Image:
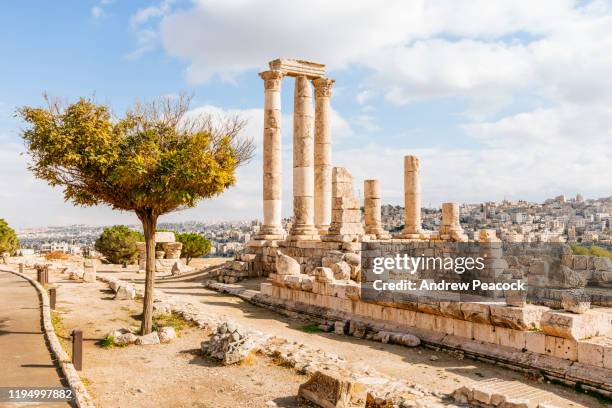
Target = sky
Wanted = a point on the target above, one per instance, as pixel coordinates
(504, 99)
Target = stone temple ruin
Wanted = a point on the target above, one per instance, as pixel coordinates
(318, 266)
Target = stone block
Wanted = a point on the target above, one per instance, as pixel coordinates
(266, 289)
(476, 312)
(581, 262)
(484, 333)
(561, 348)
(518, 318)
(510, 338)
(591, 352)
(451, 309)
(602, 263)
(535, 342)
(575, 326)
(148, 339)
(125, 292)
(425, 321)
(89, 276)
(462, 328)
(164, 236)
(444, 324)
(607, 362)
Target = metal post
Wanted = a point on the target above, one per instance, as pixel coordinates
(77, 349)
(52, 297)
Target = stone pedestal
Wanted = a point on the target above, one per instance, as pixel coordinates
(372, 210)
(450, 228)
(322, 155)
(412, 200)
(272, 160)
(303, 163)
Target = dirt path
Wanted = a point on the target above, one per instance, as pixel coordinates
(25, 360)
(167, 375)
(444, 374)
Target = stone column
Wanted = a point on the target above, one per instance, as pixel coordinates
(412, 199)
(303, 163)
(451, 227)
(272, 161)
(322, 155)
(372, 209)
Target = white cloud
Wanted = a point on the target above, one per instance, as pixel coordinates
(97, 12)
(414, 49)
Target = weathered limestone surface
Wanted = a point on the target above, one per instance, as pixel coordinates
(89, 270)
(412, 200)
(451, 227)
(172, 249)
(272, 157)
(164, 236)
(303, 163)
(322, 155)
(346, 215)
(372, 210)
(333, 390)
(297, 67)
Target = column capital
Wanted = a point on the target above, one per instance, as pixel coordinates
(272, 79)
(323, 87)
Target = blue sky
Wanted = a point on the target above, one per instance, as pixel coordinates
(499, 99)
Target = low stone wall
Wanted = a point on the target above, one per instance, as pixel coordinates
(571, 347)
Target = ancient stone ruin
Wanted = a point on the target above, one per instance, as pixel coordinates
(319, 265)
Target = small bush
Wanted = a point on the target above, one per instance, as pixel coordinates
(311, 328)
(108, 342)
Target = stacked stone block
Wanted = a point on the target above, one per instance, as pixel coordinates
(346, 214)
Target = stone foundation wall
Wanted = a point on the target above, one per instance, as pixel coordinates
(584, 338)
(261, 254)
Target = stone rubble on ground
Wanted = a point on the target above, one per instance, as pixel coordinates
(231, 343)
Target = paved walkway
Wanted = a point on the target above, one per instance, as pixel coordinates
(25, 360)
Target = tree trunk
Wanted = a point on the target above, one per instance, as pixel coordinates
(187, 260)
(149, 225)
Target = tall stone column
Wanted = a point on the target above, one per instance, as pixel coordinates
(303, 163)
(272, 161)
(322, 155)
(412, 199)
(372, 209)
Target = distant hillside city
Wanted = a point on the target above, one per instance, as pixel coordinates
(574, 220)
